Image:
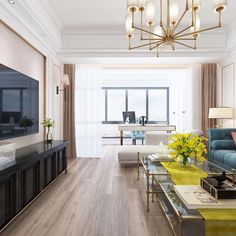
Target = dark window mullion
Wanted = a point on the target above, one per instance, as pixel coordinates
(126, 100)
(106, 105)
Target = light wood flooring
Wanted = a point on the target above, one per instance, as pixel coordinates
(96, 198)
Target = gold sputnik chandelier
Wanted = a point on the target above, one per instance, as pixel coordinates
(167, 30)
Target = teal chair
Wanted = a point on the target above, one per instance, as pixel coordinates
(137, 135)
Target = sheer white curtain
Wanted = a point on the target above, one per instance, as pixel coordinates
(88, 102)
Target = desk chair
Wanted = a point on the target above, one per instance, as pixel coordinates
(137, 135)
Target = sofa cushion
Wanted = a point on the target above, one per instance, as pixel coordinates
(154, 138)
(128, 154)
(223, 145)
(230, 159)
(220, 154)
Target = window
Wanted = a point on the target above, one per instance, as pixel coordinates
(137, 101)
(150, 102)
(115, 104)
(157, 104)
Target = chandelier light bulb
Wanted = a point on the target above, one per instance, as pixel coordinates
(196, 4)
(142, 4)
(132, 5)
(197, 26)
(128, 26)
(174, 12)
(150, 13)
(219, 5)
(198, 22)
(157, 30)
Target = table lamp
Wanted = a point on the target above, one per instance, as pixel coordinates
(220, 113)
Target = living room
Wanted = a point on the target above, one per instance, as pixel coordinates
(115, 115)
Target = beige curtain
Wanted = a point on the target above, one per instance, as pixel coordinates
(209, 88)
(69, 113)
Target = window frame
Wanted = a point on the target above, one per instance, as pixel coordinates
(127, 103)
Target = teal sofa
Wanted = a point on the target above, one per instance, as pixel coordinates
(221, 148)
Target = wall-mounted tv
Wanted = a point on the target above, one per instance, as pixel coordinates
(19, 104)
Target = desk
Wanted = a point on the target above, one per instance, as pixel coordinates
(147, 127)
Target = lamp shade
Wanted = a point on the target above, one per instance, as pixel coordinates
(221, 113)
(150, 13)
(197, 25)
(158, 31)
(65, 80)
(174, 11)
(128, 25)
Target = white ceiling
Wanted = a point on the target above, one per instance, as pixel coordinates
(89, 12)
(78, 13)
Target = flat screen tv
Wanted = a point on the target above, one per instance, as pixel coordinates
(19, 104)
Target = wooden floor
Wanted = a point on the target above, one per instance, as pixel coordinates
(96, 198)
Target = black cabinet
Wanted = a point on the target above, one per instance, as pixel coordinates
(61, 162)
(7, 198)
(30, 182)
(23, 178)
(49, 169)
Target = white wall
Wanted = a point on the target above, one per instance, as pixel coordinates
(54, 103)
(227, 91)
(17, 54)
(20, 56)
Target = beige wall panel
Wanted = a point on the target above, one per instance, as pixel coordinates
(19, 55)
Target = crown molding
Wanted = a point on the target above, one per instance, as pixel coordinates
(23, 21)
(117, 29)
(39, 13)
(53, 16)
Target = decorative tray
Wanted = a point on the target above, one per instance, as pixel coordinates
(223, 191)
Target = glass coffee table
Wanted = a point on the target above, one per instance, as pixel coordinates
(159, 184)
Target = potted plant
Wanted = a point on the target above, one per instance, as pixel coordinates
(186, 146)
(48, 123)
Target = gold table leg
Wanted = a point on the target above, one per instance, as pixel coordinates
(152, 188)
(148, 190)
(138, 164)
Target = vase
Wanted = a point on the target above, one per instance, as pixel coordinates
(185, 161)
(49, 136)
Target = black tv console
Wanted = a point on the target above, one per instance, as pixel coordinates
(23, 178)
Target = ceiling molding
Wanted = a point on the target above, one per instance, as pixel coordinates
(118, 29)
(43, 19)
(73, 55)
(26, 24)
(139, 60)
(52, 14)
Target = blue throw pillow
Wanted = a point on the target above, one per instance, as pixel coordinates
(223, 145)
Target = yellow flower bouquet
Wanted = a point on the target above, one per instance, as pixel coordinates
(186, 145)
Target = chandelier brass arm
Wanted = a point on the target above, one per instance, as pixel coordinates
(183, 44)
(148, 32)
(170, 33)
(143, 45)
(199, 31)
